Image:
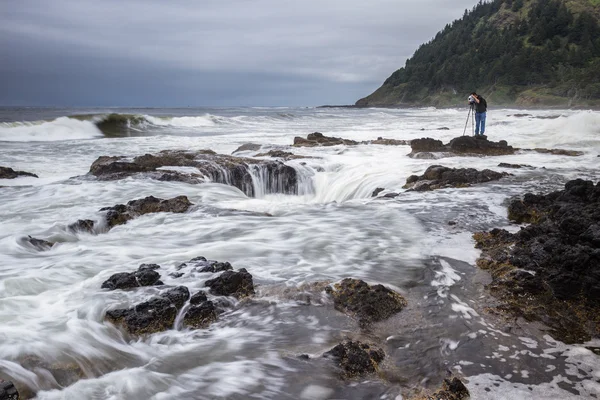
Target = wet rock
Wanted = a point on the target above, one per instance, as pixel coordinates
(201, 264)
(286, 155)
(156, 315)
(318, 139)
(550, 270)
(356, 358)
(514, 166)
(9, 173)
(462, 145)
(40, 244)
(177, 296)
(439, 177)
(121, 213)
(366, 303)
(82, 225)
(426, 145)
(208, 166)
(198, 298)
(232, 283)
(390, 195)
(377, 191)
(200, 315)
(559, 152)
(144, 276)
(8, 391)
(452, 389)
(520, 115)
(388, 142)
(248, 147)
(54, 372)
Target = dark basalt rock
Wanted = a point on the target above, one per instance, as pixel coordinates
(558, 152)
(144, 276)
(356, 358)
(9, 173)
(201, 264)
(40, 244)
(452, 389)
(82, 225)
(462, 145)
(550, 270)
(439, 177)
(8, 391)
(148, 317)
(388, 142)
(367, 303)
(232, 283)
(514, 166)
(155, 315)
(318, 139)
(198, 298)
(53, 373)
(286, 155)
(200, 315)
(230, 170)
(121, 213)
(376, 192)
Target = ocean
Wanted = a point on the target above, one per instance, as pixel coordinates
(52, 306)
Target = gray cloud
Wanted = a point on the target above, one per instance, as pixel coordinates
(186, 52)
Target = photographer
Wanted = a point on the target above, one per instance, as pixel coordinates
(480, 106)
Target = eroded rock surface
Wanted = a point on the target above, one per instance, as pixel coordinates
(201, 264)
(39, 244)
(232, 283)
(356, 358)
(462, 145)
(200, 166)
(146, 275)
(155, 315)
(452, 389)
(550, 270)
(439, 177)
(121, 213)
(318, 139)
(9, 173)
(8, 391)
(366, 303)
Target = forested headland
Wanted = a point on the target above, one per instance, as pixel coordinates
(514, 52)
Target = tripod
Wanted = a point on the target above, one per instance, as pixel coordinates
(470, 116)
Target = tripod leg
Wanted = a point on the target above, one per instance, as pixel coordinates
(467, 123)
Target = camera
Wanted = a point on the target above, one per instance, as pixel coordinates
(471, 100)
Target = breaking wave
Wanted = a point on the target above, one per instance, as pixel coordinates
(62, 128)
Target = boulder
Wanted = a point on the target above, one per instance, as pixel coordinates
(452, 389)
(376, 192)
(462, 145)
(355, 358)
(40, 244)
(144, 276)
(82, 225)
(388, 142)
(550, 269)
(514, 166)
(8, 391)
(318, 139)
(201, 264)
(121, 213)
(366, 303)
(200, 315)
(9, 173)
(205, 165)
(439, 177)
(238, 284)
(155, 315)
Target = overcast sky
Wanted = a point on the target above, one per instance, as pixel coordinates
(208, 52)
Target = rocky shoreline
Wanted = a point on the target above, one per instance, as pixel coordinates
(549, 271)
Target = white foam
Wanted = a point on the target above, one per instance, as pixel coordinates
(62, 128)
